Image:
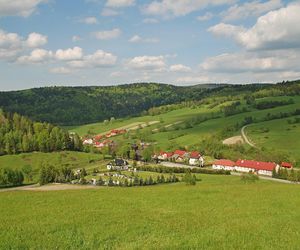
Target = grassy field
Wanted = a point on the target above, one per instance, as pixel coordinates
(220, 212)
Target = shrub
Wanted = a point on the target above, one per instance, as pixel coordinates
(249, 178)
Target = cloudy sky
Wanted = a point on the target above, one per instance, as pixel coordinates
(105, 42)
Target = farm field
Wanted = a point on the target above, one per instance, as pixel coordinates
(219, 212)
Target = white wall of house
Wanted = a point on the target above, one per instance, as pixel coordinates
(219, 167)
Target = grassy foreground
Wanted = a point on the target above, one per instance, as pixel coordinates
(220, 212)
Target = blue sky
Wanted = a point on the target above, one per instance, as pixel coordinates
(105, 42)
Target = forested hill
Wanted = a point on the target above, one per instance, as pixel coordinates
(19, 134)
(81, 105)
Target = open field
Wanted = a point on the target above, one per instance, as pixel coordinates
(220, 212)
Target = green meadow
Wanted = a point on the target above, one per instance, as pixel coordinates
(220, 212)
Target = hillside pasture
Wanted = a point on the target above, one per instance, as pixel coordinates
(220, 212)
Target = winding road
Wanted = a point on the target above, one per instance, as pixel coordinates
(246, 139)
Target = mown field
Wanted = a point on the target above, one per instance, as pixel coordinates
(220, 212)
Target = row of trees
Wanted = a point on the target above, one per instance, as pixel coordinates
(19, 134)
(284, 174)
(10, 177)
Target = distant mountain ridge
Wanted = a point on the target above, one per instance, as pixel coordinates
(81, 105)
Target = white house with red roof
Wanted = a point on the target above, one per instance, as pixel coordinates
(164, 156)
(196, 159)
(180, 155)
(260, 167)
(286, 165)
(224, 164)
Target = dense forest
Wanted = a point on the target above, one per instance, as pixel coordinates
(20, 134)
(82, 105)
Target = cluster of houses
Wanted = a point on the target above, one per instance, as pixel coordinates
(193, 158)
(100, 141)
(259, 167)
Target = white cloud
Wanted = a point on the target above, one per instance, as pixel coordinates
(253, 62)
(76, 38)
(36, 56)
(249, 9)
(107, 34)
(150, 20)
(278, 29)
(180, 68)
(22, 8)
(109, 12)
(11, 44)
(119, 3)
(69, 54)
(60, 70)
(207, 16)
(155, 63)
(138, 39)
(167, 8)
(35, 40)
(194, 79)
(99, 59)
(89, 20)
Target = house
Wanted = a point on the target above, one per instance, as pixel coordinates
(263, 168)
(163, 156)
(180, 155)
(88, 142)
(224, 164)
(117, 164)
(196, 159)
(286, 165)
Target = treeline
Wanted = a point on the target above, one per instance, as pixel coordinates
(10, 177)
(272, 104)
(19, 134)
(284, 174)
(163, 169)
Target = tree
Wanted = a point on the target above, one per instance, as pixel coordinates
(189, 179)
(27, 170)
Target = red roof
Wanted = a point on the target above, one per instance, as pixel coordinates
(168, 154)
(180, 152)
(223, 162)
(286, 165)
(257, 165)
(195, 155)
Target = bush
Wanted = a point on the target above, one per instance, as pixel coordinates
(249, 178)
(189, 179)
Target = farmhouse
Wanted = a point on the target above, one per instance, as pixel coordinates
(163, 156)
(224, 164)
(263, 168)
(196, 159)
(180, 155)
(286, 165)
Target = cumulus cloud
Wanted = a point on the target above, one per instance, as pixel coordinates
(69, 54)
(109, 12)
(155, 63)
(207, 16)
(138, 39)
(22, 8)
(60, 70)
(253, 62)
(99, 59)
(167, 8)
(107, 34)
(180, 68)
(89, 20)
(248, 9)
(119, 3)
(36, 56)
(277, 29)
(35, 40)
(12, 44)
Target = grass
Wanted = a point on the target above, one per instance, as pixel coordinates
(72, 159)
(220, 212)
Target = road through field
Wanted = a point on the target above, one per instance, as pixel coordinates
(246, 139)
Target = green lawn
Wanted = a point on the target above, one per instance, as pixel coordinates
(220, 212)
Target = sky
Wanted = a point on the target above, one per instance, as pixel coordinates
(181, 42)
